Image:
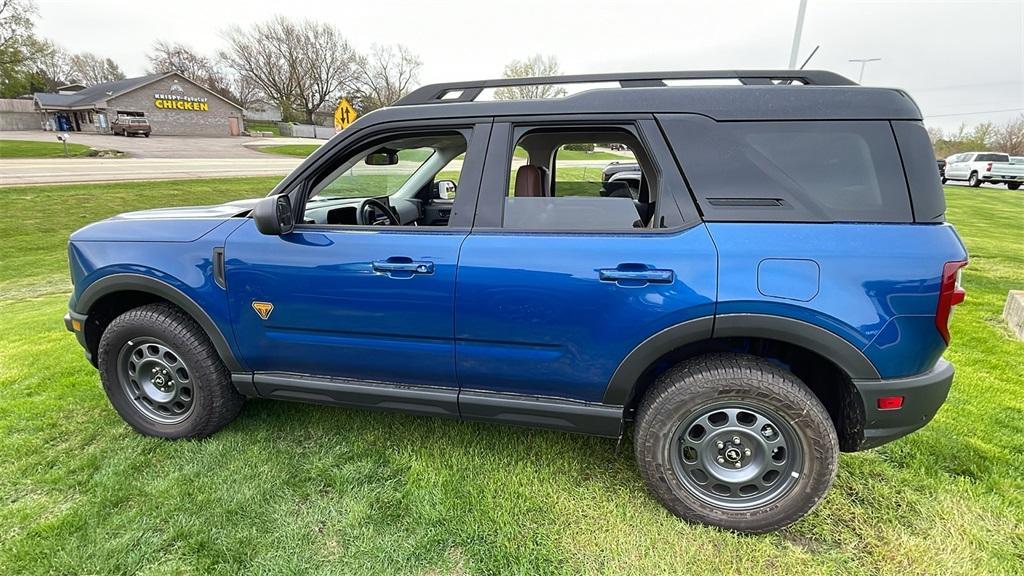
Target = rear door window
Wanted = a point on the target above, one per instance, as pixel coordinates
(802, 171)
(993, 158)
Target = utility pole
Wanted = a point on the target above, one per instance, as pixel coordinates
(863, 63)
(796, 34)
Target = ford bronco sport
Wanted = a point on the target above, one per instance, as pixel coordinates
(776, 290)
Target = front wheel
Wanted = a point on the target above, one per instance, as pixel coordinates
(733, 441)
(163, 376)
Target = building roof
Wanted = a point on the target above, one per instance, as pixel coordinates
(100, 93)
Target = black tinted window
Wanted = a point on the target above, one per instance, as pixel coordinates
(993, 158)
(806, 171)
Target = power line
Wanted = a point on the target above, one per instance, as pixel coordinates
(970, 113)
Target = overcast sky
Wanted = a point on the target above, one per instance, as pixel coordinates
(962, 60)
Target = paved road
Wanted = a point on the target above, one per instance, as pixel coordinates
(157, 146)
(154, 158)
(61, 170)
(170, 158)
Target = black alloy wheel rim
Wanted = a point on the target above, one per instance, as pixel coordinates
(736, 455)
(156, 380)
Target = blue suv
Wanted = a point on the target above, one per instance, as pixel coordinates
(768, 283)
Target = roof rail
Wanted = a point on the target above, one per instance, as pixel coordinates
(453, 92)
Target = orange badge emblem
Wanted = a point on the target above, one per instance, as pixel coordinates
(263, 308)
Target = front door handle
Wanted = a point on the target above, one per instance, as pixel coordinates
(636, 275)
(402, 266)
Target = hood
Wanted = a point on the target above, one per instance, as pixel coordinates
(184, 224)
(227, 210)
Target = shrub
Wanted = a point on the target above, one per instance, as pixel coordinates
(579, 147)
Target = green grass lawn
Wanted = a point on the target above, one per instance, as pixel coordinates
(271, 127)
(292, 488)
(29, 149)
(300, 150)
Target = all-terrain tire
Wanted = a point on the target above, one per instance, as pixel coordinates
(716, 380)
(1013, 185)
(213, 400)
(973, 181)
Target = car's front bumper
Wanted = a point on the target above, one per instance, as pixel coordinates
(922, 394)
(75, 323)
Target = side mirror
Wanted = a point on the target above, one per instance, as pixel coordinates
(382, 157)
(273, 215)
(445, 189)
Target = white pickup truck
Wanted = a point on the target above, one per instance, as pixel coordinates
(979, 167)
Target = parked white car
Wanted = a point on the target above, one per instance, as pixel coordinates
(979, 167)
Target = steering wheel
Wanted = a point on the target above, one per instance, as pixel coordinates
(373, 212)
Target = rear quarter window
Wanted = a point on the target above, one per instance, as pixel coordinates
(800, 171)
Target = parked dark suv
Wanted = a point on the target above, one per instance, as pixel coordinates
(772, 287)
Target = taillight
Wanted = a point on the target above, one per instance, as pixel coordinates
(988, 168)
(950, 294)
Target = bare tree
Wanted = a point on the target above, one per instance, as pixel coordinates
(982, 134)
(176, 57)
(385, 75)
(54, 66)
(299, 65)
(245, 91)
(91, 69)
(167, 57)
(1009, 138)
(536, 65)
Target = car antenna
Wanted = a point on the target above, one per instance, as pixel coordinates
(813, 52)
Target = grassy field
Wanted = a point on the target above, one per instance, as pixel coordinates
(300, 150)
(291, 488)
(263, 127)
(28, 149)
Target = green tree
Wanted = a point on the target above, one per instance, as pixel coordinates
(17, 43)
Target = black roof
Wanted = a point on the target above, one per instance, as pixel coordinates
(95, 93)
(759, 95)
(99, 93)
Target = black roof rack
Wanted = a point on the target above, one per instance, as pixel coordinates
(452, 92)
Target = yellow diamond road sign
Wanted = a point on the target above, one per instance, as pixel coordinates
(344, 115)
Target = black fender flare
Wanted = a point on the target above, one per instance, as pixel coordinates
(792, 331)
(122, 282)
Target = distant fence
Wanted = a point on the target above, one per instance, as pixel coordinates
(305, 130)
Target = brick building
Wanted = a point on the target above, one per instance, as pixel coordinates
(173, 104)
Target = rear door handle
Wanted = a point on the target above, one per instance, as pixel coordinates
(636, 275)
(403, 266)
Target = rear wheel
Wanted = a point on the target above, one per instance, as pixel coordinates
(973, 181)
(944, 180)
(734, 441)
(1013, 185)
(163, 376)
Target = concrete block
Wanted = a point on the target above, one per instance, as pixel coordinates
(1013, 312)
